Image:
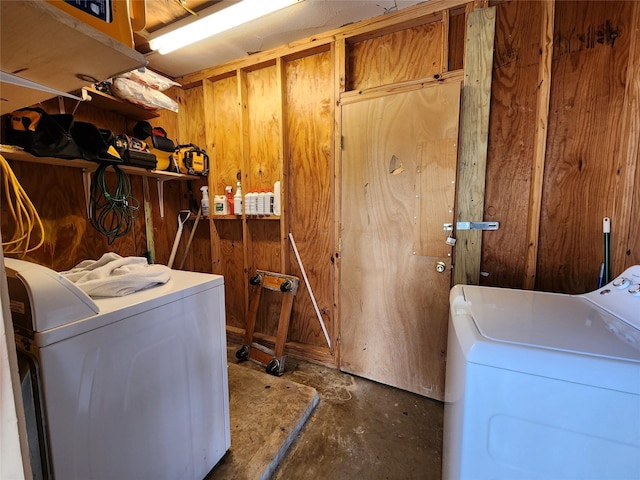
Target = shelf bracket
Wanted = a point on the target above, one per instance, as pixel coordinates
(86, 183)
(11, 79)
(161, 182)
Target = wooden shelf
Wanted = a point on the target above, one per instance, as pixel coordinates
(263, 217)
(89, 167)
(43, 44)
(246, 217)
(22, 156)
(113, 104)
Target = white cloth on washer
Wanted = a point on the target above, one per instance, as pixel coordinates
(116, 276)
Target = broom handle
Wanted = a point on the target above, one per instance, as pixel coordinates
(606, 230)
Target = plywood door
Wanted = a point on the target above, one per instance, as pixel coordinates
(398, 189)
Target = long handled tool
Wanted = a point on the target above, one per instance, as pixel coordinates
(193, 231)
(606, 231)
(183, 216)
(306, 281)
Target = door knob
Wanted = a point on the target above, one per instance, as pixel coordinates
(440, 267)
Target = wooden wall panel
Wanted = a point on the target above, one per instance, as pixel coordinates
(263, 115)
(457, 27)
(223, 120)
(632, 252)
(231, 266)
(225, 150)
(309, 117)
(626, 242)
(191, 125)
(405, 55)
(511, 140)
(263, 168)
(589, 73)
(58, 196)
(265, 241)
(191, 129)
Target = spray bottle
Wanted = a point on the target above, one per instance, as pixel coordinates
(237, 200)
(228, 190)
(205, 200)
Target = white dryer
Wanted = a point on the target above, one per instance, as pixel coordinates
(543, 385)
(132, 387)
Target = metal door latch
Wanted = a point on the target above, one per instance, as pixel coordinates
(477, 225)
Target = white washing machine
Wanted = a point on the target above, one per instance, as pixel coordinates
(132, 387)
(542, 385)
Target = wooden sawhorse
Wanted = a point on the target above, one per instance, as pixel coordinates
(272, 360)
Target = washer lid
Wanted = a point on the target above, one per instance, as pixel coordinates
(54, 300)
(560, 322)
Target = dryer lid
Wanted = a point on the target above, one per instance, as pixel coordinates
(560, 322)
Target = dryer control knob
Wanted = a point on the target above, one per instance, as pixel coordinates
(621, 283)
(635, 290)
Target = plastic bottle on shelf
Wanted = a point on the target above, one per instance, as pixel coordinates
(254, 202)
(205, 201)
(261, 210)
(248, 204)
(237, 200)
(268, 203)
(276, 198)
(229, 193)
(220, 205)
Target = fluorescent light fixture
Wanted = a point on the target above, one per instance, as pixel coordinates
(226, 19)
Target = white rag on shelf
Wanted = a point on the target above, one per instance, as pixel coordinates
(116, 276)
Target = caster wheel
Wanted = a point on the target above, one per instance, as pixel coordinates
(243, 353)
(273, 368)
(256, 279)
(286, 286)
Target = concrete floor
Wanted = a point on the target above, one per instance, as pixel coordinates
(359, 429)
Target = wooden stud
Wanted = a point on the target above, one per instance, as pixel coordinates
(283, 168)
(540, 143)
(474, 133)
(628, 155)
(208, 100)
(244, 159)
(339, 54)
(445, 41)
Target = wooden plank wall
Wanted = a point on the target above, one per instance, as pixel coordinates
(223, 142)
(407, 54)
(511, 141)
(586, 173)
(626, 242)
(591, 55)
(591, 159)
(581, 156)
(309, 159)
